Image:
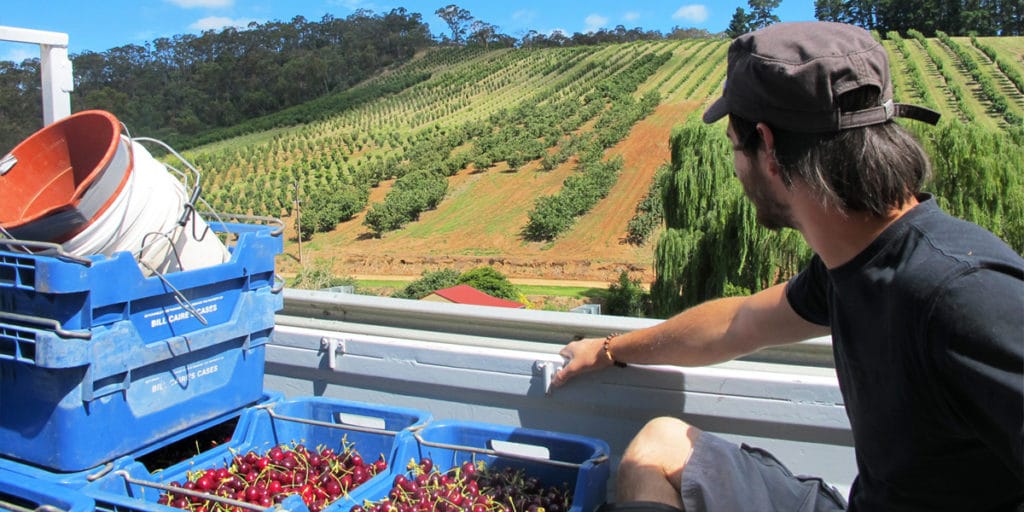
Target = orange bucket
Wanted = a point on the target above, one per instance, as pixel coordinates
(60, 179)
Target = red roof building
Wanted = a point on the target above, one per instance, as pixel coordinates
(465, 294)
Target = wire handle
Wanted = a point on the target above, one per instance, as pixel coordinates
(487, 451)
(178, 296)
(190, 493)
(358, 428)
(50, 323)
(278, 223)
(42, 248)
(279, 284)
(7, 505)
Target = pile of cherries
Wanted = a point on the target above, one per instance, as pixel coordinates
(319, 476)
(469, 488)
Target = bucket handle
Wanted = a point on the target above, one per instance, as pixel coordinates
(196, 189)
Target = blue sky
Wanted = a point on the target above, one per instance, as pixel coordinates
(100, 25)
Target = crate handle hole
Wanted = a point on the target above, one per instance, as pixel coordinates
(359, 420)
(8, 349)
(7, 276)
(520, 449)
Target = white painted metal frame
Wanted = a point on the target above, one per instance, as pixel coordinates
(55, 68)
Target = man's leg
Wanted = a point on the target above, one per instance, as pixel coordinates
(719, 475)
(652, 465)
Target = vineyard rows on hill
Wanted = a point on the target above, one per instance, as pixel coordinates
(453, 115)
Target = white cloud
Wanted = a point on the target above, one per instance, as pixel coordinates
(18, 55)
(595, 22)
(694, 13)
(205, 4)
(524, 15)
(353, 5)
(219, 22)
(631, 16)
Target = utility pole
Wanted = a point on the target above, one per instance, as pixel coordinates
(298, 219)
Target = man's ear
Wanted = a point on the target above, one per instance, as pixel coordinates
(768, 147)
(767, 137)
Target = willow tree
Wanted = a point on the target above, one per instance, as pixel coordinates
(977, 176)
(712, 245)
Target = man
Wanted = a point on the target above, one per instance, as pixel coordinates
(925, 310)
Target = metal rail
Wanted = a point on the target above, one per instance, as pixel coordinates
(308, 308)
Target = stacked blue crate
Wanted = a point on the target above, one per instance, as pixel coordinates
(98, 361)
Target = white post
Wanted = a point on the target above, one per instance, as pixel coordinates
(58, 82)
(55, 67)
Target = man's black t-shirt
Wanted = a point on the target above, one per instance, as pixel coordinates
(928, 337)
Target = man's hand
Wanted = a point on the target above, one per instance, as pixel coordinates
(582, 356)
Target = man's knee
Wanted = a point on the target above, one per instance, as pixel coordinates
(665, 438)
(652, 465)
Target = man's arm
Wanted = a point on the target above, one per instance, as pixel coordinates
(713, 332)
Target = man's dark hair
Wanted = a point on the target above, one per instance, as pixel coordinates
(871, 169)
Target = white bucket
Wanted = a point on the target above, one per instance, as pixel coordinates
(143, 220)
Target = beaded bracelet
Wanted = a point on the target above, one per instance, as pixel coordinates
(608, 350)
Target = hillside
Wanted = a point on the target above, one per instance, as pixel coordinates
(475, 110)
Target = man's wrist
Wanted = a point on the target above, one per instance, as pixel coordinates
(608, 350)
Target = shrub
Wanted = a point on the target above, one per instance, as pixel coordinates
(626, 297)
(429, 282)
(491, 282)
(318, 275)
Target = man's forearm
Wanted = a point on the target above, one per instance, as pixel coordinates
(717, 331)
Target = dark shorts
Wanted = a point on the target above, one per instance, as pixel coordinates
(721, 476)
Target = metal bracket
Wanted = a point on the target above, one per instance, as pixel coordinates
(547, 370)
(7, 162)
(333, 347)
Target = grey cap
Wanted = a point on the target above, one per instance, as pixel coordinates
(790, 76)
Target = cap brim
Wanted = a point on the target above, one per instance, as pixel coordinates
(716, 111)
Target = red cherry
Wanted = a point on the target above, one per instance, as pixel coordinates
(276, 454)
(205, 483)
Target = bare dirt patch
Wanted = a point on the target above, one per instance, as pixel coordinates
(480, 220)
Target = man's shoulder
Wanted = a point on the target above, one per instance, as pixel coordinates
(959, 242)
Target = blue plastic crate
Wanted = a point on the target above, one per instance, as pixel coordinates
(233, 423)
(20, 492)
(133, 395)
(553, 458)
(69, 480)
(79, 299)
(373, 430)
(132, 489)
